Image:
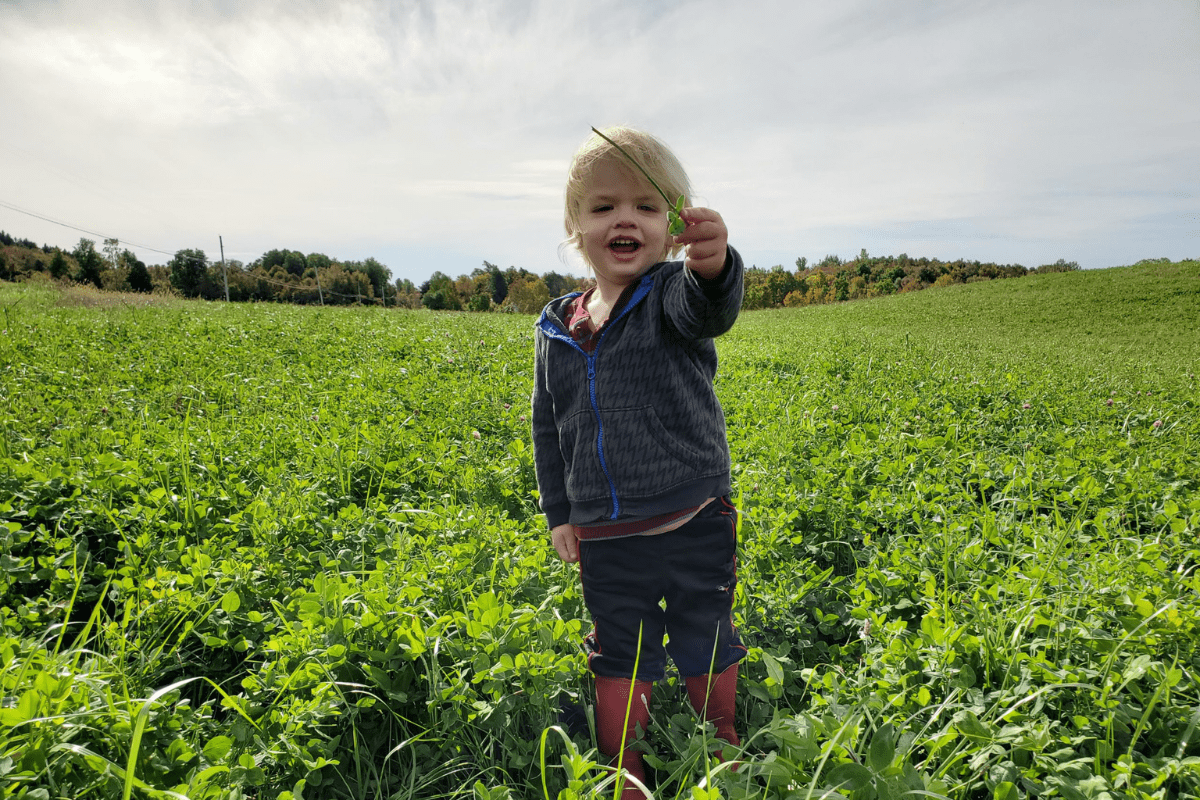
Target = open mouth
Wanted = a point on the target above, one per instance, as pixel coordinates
(624, 246)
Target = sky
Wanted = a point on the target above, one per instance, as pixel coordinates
(436, 135)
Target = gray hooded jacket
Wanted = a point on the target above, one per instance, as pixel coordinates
(633, 429)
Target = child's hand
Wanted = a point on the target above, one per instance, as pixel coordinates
(706, 239)
(566, 542)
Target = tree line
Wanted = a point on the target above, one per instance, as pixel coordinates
(291, 276)
(833, 280)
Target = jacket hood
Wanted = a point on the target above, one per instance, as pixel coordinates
(556, 310)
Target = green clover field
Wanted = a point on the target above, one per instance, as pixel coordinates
(268, 551)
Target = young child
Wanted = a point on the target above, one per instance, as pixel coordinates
(629, 439)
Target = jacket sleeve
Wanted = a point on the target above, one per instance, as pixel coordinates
(547, 456)
(704, 309)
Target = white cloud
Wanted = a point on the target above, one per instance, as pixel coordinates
(427, 128)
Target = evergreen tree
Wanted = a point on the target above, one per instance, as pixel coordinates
(499, 284)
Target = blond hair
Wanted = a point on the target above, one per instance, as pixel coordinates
(654, 156)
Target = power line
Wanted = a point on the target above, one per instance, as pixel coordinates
(301, 286)
(27, 212)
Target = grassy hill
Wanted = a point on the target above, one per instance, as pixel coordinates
(1139, 320)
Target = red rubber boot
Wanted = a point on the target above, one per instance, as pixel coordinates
(612, 698)
(713, 698)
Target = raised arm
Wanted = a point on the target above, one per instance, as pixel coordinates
(704, 299)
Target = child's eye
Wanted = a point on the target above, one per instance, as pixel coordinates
(649, 207)
(601, 208)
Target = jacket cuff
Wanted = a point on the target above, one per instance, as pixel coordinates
(715, 288)
(557, 514)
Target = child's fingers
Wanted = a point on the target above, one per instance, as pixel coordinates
(571, 554)
(697, 214)
(702, 224)
(699, 232)
(566, 543)
(702, 251)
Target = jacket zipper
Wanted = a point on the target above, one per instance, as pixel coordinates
(591, 368)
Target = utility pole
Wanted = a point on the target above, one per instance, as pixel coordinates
(320, 294)
(224, 272)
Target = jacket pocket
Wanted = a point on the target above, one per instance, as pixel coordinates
(644, 459)
(577, 442)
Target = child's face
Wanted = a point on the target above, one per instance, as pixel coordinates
(623, 221)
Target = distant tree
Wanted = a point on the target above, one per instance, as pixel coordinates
(188, 269)
(438, 280)
(558, 285)
(481, 286)
(139, 277)
(818, 287)
(58, 265)
(272, 259)
(754, 291)
(407, 295)
(377, 274)
(801, 263)
(499, 285)
(780, 283)
(112, 252)
(830, 260)
(1062, 265)
(340, 285)
(318, 261)
(513, 274)
(4, 274)
(528, 295)
(89, 263)
(841, 285)
(438, 293)
(438, 300)
(295, 263)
